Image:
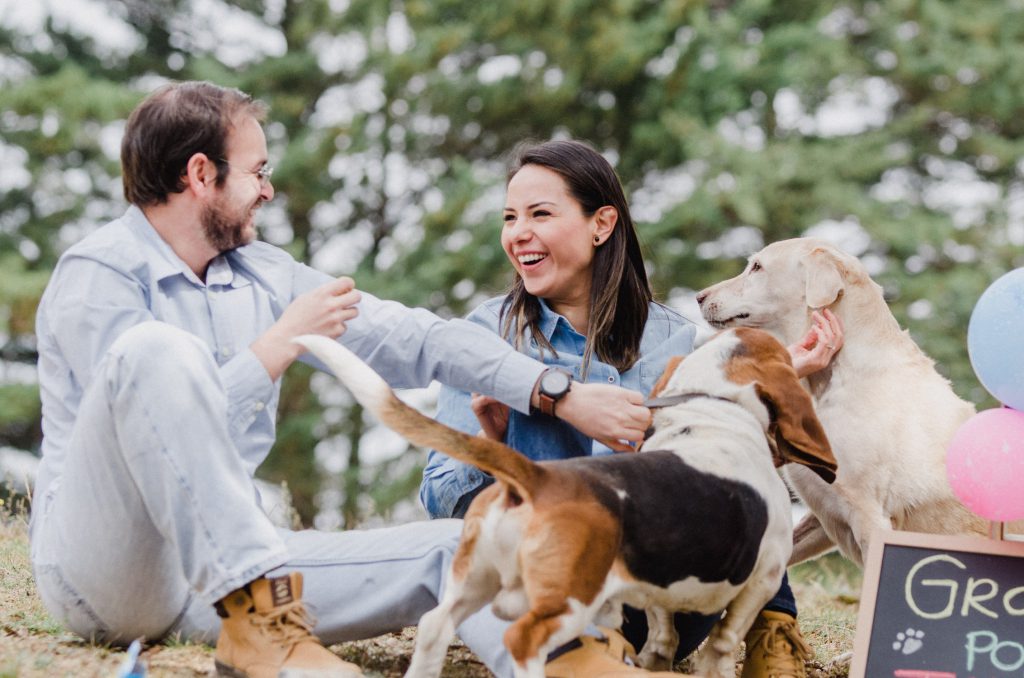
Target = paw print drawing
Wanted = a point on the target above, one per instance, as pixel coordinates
(909, 641)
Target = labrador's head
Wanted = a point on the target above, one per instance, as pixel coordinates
(782, 285)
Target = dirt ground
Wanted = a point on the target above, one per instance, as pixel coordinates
(32, 645)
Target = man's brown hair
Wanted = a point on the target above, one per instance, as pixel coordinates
(170, 126)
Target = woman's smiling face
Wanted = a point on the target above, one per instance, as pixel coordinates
(547, 237)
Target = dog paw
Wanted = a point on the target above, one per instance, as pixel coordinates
(909, 641)
(841, 660)
(714, 665)
(654, 661)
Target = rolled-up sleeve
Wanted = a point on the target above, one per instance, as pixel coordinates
(447, 480)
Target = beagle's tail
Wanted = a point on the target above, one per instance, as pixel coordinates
(375, 395)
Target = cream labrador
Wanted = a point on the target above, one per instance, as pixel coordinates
(889, 415)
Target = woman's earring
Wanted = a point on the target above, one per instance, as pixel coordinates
(597, 240)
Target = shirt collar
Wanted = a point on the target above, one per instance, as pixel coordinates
(550, 320)
(219, 272)
(167, 264)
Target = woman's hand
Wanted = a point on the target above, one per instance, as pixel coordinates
(821, 343)
(492, 415)
(609, 414)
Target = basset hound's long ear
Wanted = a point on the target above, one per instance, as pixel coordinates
(670, 369)
(797, 434)
(823, 277)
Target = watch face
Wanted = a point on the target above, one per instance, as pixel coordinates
(555, 382)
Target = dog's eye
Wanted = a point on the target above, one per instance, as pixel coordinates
(756, 266)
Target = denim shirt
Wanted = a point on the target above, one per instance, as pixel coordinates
(446, 481)
(124, 274)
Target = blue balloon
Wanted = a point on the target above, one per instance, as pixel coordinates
(995, 339)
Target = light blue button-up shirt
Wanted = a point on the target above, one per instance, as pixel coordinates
(446, 481)
(124, 273)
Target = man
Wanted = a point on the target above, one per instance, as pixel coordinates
(162, 337)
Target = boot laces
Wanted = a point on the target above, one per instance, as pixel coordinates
(777, 634)
(287, 624)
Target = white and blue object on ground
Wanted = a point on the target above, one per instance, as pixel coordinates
(133, 667)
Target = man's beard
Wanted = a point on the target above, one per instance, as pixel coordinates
(223, 231)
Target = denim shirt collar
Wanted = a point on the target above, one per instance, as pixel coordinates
(559, 332)
(550, 321)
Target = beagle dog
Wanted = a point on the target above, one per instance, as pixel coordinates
(699, 520)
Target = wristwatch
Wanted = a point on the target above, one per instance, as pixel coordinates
(554, 384)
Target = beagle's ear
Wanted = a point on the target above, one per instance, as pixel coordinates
(670, 369)
(799, 436)
(823, 277)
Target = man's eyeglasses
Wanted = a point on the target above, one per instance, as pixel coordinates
(263, 173)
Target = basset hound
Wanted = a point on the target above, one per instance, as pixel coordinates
(699, 520)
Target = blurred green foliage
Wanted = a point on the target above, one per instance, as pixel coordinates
(896, 127)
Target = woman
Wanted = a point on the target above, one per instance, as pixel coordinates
(581, 301)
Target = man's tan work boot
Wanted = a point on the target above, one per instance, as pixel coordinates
(266, 633)
(775, 647)
(600, 658)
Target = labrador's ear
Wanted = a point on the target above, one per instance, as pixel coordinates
(823, 278)
(670, 369)
(798, 435)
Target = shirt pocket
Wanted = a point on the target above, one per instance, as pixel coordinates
(572, 364)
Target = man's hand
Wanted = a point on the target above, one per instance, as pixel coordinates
(609, 414)
(492, 415)
(821, 343)
(323, 310)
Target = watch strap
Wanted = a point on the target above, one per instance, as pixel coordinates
(547, 404)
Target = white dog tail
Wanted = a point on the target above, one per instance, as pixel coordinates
(375, 395)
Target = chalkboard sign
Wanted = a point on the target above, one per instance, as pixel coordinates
(936, 606)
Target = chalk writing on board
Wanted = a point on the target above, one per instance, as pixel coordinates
(935, 606)
(979, 594)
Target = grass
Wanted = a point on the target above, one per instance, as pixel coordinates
(827, 591)
(33, 645)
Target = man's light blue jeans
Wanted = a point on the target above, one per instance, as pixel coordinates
(155, 517)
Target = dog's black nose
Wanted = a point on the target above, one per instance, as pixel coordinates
(701, 296)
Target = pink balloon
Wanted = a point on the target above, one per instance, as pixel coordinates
(985, 464)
